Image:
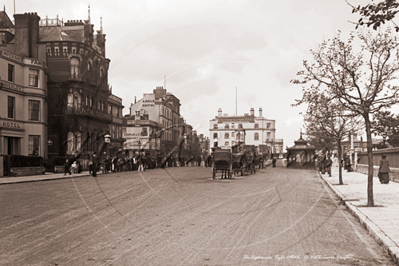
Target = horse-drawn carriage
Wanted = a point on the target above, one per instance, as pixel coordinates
(229, 162)
(222, 161)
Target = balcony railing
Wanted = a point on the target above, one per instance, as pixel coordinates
(85, 110)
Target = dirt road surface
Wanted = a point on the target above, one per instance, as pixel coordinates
(180, 216)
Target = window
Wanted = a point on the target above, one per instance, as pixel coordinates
(268, 135)
(74, 50)
(34, 107)
(268, 125)
(256, 125)
(48, 50)
(34, 144)
(56, 51)
(226, 126)
(11, 107)
(3, 39)
(232, 135)
(226, 143)
(89, 70)
(87, 100)
(33, 77)
(74, 67)
(70, 100)
(226, 136)
(239, 125)
(91, 102)
(233, 143)
(232, 125)
(215, 135)
(256, 136)
(10, 73)
(138, 113)
(215, 126)
(65, 50)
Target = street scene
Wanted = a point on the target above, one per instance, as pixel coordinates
(199, 132)
(181, 216)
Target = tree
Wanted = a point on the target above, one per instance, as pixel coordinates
(376, 14)
(360, 80)
(326, 119)
(386, 125)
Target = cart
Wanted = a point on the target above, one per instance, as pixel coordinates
(222, 161)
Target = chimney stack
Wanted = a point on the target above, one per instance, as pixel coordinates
(252, 111)
(260, 112)
(220, 112)
(26, 34)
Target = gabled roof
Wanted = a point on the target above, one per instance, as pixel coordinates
(7, 23)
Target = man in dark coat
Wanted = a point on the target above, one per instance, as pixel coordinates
(67, 167)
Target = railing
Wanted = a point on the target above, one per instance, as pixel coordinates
(79, 110)
(51, 22)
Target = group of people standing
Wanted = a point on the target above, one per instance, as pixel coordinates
(327, 160)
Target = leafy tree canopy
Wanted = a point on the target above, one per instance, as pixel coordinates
(377, 13)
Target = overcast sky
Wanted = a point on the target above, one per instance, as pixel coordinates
(207, 48)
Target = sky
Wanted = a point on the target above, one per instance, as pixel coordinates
(205, 50)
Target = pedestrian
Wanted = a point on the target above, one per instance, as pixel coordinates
(209, 161)
(383, 172)
(274, 160)
(74, 167)
(140, 163)
(66, 167)
(328, 164)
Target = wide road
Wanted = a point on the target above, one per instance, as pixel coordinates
(180, 216)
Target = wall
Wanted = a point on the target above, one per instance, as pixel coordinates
(391, 153)
(393, 176)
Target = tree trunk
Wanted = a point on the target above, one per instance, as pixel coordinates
(370, 196)
(339, 161)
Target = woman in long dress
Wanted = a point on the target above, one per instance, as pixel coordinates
(383, 172)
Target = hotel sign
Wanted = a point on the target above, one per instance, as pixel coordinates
(10, 124)
(10, 55)
(5, 84)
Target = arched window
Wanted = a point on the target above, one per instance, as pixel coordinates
(215, 135)
(78, 141)
(70, 142)
(74, 67)
(90, 70)
(77, 100)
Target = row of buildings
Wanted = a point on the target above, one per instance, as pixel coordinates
(55, 100)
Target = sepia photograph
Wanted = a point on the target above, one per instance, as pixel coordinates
(199, 132)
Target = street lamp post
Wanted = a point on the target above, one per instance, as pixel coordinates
(96, 159)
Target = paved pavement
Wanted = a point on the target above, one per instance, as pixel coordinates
(382, 221)
(34, 178)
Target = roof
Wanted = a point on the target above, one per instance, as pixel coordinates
(301, 144)
(62, 33)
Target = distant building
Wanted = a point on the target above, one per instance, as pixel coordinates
(227, 131)
(155, 112)
(23, 88)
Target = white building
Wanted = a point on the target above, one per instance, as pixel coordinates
(227, 131)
